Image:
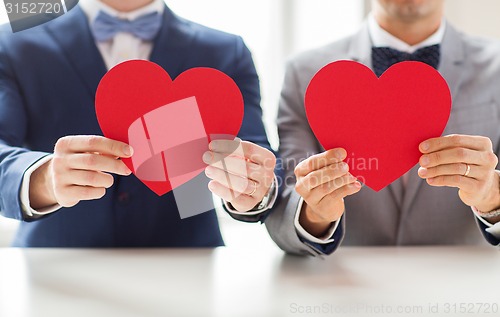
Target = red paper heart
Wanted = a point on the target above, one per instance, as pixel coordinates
(379, 121)
(168, 123)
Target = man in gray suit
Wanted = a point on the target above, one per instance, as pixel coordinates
(322, 201)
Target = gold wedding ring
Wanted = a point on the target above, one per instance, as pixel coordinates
(254, 189)
(467, 170)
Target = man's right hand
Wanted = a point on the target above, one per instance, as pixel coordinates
(323, 180)
(79, 170)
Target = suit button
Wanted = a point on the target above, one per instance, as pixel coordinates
(124, 197)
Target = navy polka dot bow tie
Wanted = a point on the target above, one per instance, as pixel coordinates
(385, 57)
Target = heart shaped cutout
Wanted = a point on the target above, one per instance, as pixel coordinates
(168, 123)
(379, 121)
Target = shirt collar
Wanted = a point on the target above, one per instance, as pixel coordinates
(382, 38)
(92, 8)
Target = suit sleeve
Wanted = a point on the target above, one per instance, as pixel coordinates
(14, 159)
(252, 129)
(297, 142)
(492, 239)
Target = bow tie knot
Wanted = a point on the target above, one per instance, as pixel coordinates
(145, 27)
(385, 57)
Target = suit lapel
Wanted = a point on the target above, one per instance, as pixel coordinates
(73, 35)
(360, 48)
(452, 69)
(172, 45)
(453, 58)
(360, 51)
(412, 187)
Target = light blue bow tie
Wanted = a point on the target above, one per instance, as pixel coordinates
(144, 27)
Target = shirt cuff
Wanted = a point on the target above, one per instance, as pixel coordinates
(272, 196)
(493, 229)
(327, 238)
(25, 191)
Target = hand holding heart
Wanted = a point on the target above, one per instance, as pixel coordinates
(80, 169)
(445, 162)
(349, 107)
(241, 172)
(202, 105)
(168, 122)
(384, 110)
(323, 180)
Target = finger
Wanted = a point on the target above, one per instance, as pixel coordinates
(347, 190)
(226, 146)
(249, 150)
(321, 160)
(88, 178)
(478, 143)
(318, 193)
(233, 182)
(222, 191)
(240, 185)
(324, 175)
(245, 203)
(98, 163)
(240, 202)
(233, 164)
(93, 144)
(451, 156)
(452, 169)
(465, 183)
(74, 194)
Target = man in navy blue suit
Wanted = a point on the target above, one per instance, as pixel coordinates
(64, 180)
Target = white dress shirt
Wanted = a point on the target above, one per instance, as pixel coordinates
(123, 47)
(382, 38)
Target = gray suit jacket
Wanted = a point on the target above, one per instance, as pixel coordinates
(424, 215)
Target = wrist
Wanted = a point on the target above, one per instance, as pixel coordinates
(494, 220)
(41, 190)
(269, 198)
(312, 223)
(492, 199)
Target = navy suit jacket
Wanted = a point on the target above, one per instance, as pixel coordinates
(48, 79)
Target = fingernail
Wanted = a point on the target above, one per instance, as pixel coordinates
(208, 171)
(212, 146)
(422, 171)
(211, 186)
(430, 180)
(127, 150)
(207, 157)
(424, 146)
(344, 167)
(425, 161)
(357, 184)
(339, 154)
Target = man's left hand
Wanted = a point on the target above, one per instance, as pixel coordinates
(241, 172)
(465, 162)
